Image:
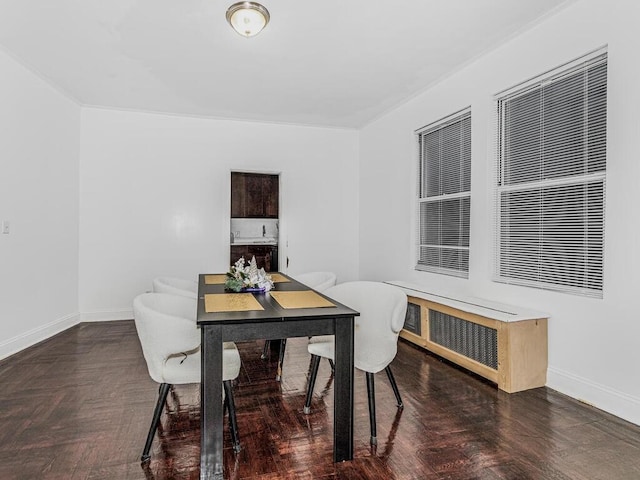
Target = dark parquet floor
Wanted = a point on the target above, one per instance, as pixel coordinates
(78, 406)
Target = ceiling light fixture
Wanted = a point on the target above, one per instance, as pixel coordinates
(247, 18)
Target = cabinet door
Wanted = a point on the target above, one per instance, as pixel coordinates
(254, 207)
(262, 253)
(274, 259)
(238, 195)
(246, 195)
(270, 195)
(238, 251)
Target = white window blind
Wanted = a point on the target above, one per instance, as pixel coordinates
(444, 197)
(551, 163)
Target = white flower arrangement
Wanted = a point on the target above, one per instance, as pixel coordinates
(243, 277)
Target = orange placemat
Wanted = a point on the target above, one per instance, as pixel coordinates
(215, 279)
(278, 277)
(301, 299)
(230, 302)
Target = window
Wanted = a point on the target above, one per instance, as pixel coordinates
(551, 159)
(445, 195)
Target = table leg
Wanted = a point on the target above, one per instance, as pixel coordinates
(211, 407)
(343, 391)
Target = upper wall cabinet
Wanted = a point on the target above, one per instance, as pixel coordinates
(254, 195)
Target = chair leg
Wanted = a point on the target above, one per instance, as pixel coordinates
(163, 391)
(175, 400)
(265, 349)
(315, 363)
(394, 386)
(283, 345)
(233, 422)
(333, 366)
(371, 395)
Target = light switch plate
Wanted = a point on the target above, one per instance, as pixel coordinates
(5, 226)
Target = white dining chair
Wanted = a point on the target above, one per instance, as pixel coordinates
(318, 281)
(382, 310)
(176, 286)
(170, 341)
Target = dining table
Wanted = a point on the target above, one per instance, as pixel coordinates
(289, 309)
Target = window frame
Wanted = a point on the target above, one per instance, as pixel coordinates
(424, 199)
(565, 282)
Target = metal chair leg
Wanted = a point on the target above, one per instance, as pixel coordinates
(315, 363)
(265, 349)
(233, 422)
(394, 386)
(175, 401)
(283, 345)
(163, 391)
(371, 395)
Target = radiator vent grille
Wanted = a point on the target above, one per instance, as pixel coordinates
(412, 319)
(474, 341)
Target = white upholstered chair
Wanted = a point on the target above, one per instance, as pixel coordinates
(170, 341)
(176, 286)
(318, 281)
(382, 310)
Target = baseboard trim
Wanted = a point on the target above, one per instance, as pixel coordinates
(38, 334)
(600, 396)
(106, 315)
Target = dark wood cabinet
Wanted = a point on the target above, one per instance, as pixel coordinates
(254, 195)
(271, 195)
(266, 255)
(238, 195)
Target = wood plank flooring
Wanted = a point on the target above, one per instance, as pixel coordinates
(78, 406)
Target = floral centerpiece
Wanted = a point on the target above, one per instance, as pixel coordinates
(242, 277)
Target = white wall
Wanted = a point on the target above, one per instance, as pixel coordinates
(593, 344)
(39, 143)
(155, 199)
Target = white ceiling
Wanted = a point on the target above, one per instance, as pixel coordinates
(337, 63)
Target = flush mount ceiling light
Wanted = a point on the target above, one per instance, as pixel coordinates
(247, 18)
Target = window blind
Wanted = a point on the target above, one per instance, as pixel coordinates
(551, 164)
(445, 195)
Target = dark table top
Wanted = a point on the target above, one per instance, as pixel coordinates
(272, 309)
